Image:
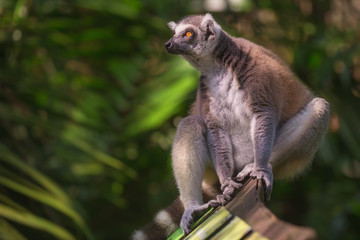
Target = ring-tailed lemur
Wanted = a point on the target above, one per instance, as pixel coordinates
(251, 117)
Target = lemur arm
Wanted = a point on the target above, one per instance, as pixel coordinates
(263, 128)
(222, 155)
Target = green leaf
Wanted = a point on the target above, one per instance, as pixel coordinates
(43, 198)
(162, 103)
(55, 198)
(7, 231)
(33, 221)
(8, 157)
(84, 146)
(12, 203)
(101, 156)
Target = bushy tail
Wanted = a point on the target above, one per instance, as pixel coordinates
(165, 222)
(168, 220)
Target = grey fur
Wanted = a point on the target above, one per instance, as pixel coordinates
(251, 116)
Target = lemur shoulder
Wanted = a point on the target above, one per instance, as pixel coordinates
(252, 117)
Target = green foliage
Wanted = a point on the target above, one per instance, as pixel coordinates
(89, 103)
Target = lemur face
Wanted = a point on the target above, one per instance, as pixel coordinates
(185, 40)
(193, 36)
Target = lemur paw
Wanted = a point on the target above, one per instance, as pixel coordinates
(264, 174)
(228, 188)
(219, 201)
(190, 215)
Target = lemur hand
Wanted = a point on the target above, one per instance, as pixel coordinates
(265, 174)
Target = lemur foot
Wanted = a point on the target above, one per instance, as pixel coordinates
(264, 174)
(191, 214)
(218, 201)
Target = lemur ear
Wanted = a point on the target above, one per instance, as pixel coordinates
(172, 25)
(208, 26)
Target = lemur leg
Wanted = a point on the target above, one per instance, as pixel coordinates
(299, 138)
(190, 157)
(296, 141)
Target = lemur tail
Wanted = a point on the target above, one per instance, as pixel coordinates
(168, 220)
(165, 222)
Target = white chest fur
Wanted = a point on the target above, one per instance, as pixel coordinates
(228, 107)
(227, 102)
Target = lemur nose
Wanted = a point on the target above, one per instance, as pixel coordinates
(168, 45)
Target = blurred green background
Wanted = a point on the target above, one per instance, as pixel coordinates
(89, 102)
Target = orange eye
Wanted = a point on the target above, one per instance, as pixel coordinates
(188, 34)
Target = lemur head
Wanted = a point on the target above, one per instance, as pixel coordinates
(194, 36)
